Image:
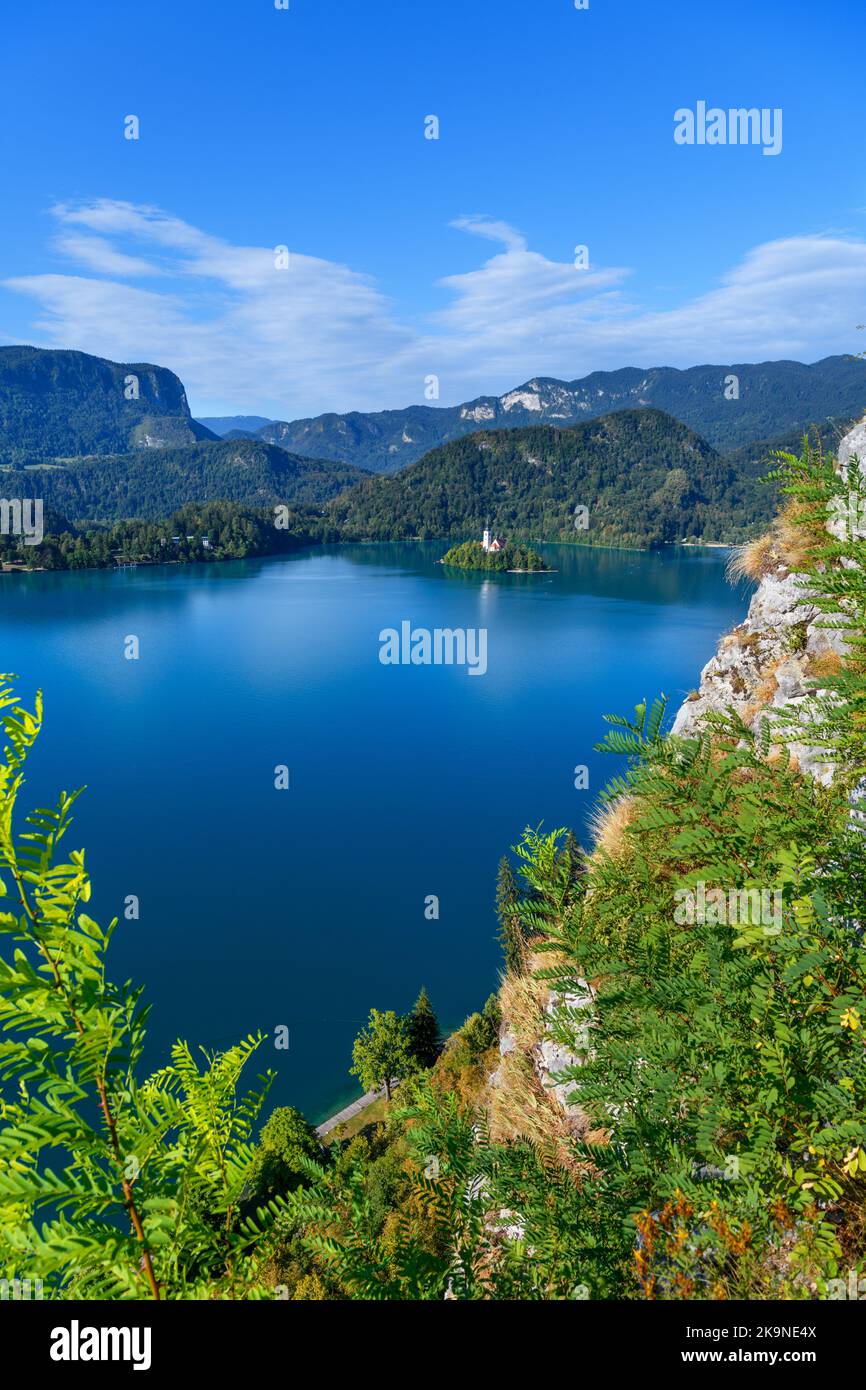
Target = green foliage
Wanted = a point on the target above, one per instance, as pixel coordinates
(422, 1031)
(473, 1219)
(111, 1186)
(834, 720)
(550, 870)
(381, 1053)
(511, 935)
(777, 400)
(287, 1141)
(56, 403)
(481, 1031)
(720, 1049)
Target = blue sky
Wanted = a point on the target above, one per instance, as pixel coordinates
(410, 257)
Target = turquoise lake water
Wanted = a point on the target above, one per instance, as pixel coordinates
(305, 907)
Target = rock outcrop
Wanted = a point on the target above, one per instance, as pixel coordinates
(765, 664)
(553, 1056)
(763, 667)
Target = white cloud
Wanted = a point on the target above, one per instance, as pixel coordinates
(98, 254)
(492, 230)
(244, 335)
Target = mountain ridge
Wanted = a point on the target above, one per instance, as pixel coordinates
(775, 398)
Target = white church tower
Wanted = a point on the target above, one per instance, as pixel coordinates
(485, 540)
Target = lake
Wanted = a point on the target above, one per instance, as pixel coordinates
(304, 907)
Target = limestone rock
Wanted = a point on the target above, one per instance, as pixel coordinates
(761, 669)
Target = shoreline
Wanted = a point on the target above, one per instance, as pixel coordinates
(355, 1108)
(16, 567)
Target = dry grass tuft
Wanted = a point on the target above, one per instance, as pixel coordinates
(779, 756)
(789, 544)
(522, 1000)
(520, 1108)
(763, 693)
(753, 560)
(609, 823)
(767, 686)
(794, 540)
(827, 664)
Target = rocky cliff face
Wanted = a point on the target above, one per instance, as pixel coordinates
(763, 666)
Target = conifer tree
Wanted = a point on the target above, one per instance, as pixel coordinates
(511, 935)
(422, 1030)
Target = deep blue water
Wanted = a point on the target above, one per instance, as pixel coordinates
(305, 907)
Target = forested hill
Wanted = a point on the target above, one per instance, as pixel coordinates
(644, 477)
(731, 406)
(55, 403)
(152, 484)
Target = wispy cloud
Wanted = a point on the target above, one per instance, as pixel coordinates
(245, 333)
(97, 254)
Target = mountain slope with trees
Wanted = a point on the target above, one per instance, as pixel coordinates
(152, 484)
(645, 478)
(60, 404)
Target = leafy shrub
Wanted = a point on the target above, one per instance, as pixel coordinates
(112, 1185)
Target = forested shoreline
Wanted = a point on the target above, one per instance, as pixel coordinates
(195, 534)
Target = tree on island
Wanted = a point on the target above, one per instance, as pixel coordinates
(381, 1052)
(471, 555)
(422, 1031)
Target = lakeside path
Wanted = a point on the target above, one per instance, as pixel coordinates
(343, 1116)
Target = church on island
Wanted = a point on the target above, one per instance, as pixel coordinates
(491, 543)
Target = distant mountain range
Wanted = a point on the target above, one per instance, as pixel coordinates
(644, 478)
(772, 398)
(227, 426)
(101, 441)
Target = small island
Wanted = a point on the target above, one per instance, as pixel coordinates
(494, 553)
